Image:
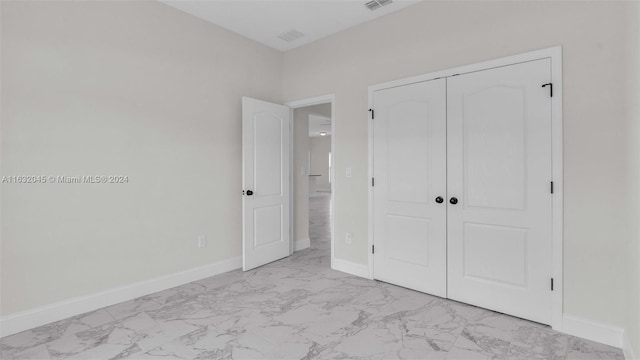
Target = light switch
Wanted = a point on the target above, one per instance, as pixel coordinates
(348, 172)
(202, 241)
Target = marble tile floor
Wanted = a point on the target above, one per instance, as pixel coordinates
(296, 308)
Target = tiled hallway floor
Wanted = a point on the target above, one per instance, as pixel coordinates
(296, 308)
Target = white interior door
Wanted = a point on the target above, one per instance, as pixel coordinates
(265, 179)
(410, 174)
(499, 170)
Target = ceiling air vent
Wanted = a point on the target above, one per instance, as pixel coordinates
(291, 35)
(376, 4)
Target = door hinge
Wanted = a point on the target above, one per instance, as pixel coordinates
(550, 88)
(551, 284)
(552, 187)
(373, 249)
(373, 181)
(372, 114)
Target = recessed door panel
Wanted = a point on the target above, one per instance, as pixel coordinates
(267, 227)
(410, 172)
(494, 147)
(495, 254)
(411, 240)
(499, 169)
(268, 153)
(406, 141)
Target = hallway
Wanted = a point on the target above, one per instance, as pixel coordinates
(320, 221)
(297, 308)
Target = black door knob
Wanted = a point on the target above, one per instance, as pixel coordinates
(249, 192)
(439, 199)
(453, 200)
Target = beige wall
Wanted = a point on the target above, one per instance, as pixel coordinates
(120, 88)
(301, 173)
(438, 35)
(632, 323)
(319, 148)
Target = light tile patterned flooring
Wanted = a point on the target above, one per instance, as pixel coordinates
(296, 308)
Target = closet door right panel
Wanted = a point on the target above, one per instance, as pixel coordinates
(499, 170)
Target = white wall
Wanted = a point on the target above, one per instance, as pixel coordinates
(429, 36)
(319, 148)
(120, 88)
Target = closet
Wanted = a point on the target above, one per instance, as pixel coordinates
(462, 197)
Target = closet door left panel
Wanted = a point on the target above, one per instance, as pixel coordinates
(409, 230)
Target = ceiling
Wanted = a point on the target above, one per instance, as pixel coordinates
(317, 124)
(265, 20)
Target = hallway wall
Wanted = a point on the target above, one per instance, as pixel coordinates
(301, 174)
(319, 148)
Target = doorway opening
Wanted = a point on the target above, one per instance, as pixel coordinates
(312, 176)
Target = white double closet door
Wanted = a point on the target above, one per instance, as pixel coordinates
(462, 201)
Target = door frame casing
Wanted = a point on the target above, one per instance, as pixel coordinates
(555, 55)
(322, 99)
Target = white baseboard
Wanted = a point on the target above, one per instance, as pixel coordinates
(25, 320)
(350, 268)
(627, 348)
(301, 244)
(591, 330)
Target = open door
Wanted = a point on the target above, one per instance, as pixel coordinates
(265, 182)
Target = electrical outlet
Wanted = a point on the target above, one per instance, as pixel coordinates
(347, 238)
(202, 241)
